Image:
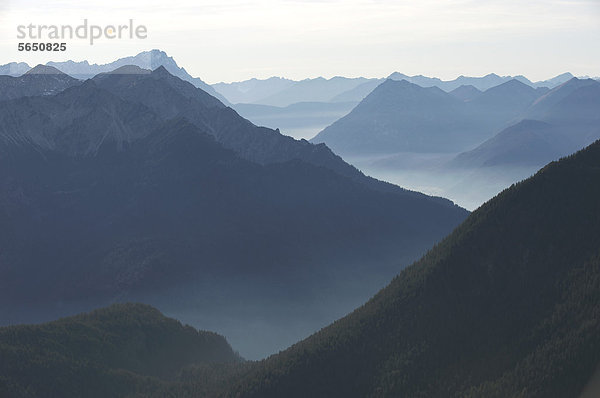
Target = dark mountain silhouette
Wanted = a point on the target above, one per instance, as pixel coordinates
(558, 123)
(507, 305)
(41, 80)
(399, 116)
(109, 192)
(113, 351)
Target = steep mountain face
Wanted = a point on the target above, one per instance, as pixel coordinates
(107, 193)
(557, 124)
(170, 97)
(77, 122)
(507, 305)
(41, 80)
(147, 60)
(399, 116)
(113, 351)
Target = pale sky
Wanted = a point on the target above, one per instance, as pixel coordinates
(221, 40)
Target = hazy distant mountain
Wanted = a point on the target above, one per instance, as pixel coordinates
(481, 83)
(14, 69)
(506, 306)
(396, 116)
(566, 119)
(312, 90)
(502, 104)
(300, 120)
(114, 351)
(546, 105)
(304, 108)
(555, 81)
(465, 92)
(359, 92)
(529, 142)
(124, 187)
(146, 60)
(253, 90)
(399, 116)
(41, 80)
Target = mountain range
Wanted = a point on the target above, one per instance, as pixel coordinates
(146, 59)
(557, 124)
(506, 305)
(284, 97)
(399, 116)
(41, 80)
(284, 92)
(481, 83)
(136, 185)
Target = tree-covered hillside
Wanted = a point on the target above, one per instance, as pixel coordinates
(114, 351)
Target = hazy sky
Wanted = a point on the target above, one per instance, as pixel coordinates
(220, 40)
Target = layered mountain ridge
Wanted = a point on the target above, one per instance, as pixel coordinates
(140, 186)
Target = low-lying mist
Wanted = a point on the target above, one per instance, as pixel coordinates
(428, 173)
(258, 315)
